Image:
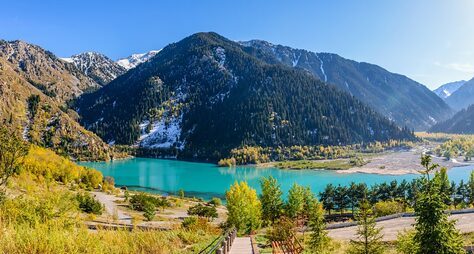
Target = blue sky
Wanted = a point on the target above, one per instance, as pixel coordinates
(431, 41)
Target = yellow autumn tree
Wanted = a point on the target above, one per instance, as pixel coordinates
(244, 208)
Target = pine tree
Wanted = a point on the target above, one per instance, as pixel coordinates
(369, 236)
(434, 232)
(296, 201)
(471, 188)
(270, 198)
(318, 241)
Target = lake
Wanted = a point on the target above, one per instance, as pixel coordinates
(207, 180)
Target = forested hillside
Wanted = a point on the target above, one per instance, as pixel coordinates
(462, 122)
(206, 95)
(405, 101)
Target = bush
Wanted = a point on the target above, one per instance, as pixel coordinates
(189, 222)
(282, 230)
(203, 211)
(88, 204)
(406, 243)
(196, 224)
(383, 208)
(149, 210)
(215, 202)
(227, 162)
(357, 161)
(181, 193)
(138, 201)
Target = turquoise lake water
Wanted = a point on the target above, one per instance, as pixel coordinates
(207, 180)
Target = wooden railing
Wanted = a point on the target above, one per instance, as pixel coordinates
(289, 246)
(222, 244)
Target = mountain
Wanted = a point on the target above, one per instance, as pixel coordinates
(59, 80)
(462, 122)
(97, 66)
(463, 97)
(406, 102)
(206, 95)
(446, 90)
(34, 87)
(136, 59)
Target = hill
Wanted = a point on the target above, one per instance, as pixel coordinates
(405, 101)
(206, 95)
(462, 97)
(34, 87)
(60, 80)
(462, 123)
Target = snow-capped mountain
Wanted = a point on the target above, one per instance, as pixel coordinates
(97, 66)
(136, 59)
(462, 97)
(446, 90)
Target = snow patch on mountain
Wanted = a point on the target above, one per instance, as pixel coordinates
(322, 68)
(446, 90)
(136, 59)
(97, 66)
(164, 133)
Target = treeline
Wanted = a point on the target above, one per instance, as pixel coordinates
(459, 146)
(427, 196)
(256, 154)
(395, 196)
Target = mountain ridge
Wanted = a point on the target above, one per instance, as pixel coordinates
(205, 95)
(462, 97)
(444, 91)
(97, 66)
(399, 98)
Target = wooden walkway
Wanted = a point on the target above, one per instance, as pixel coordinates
(241, 245)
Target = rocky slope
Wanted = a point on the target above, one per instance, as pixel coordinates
(59, 80)
(96, 66)
(34, 86)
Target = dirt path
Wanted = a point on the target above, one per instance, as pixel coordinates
(111, 207)
(465, 223)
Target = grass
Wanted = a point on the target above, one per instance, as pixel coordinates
(339, 164)
(45, 218)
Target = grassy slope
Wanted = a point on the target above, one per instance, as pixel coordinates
(41, 215)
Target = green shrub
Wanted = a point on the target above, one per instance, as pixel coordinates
(189, 222)
(88, 204)
(149, 210)
(138, 201)
(181, 193)
(215, 202)
(282, 230)
(383, 208)
(203, 211)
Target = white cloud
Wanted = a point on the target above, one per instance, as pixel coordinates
(461, 67)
